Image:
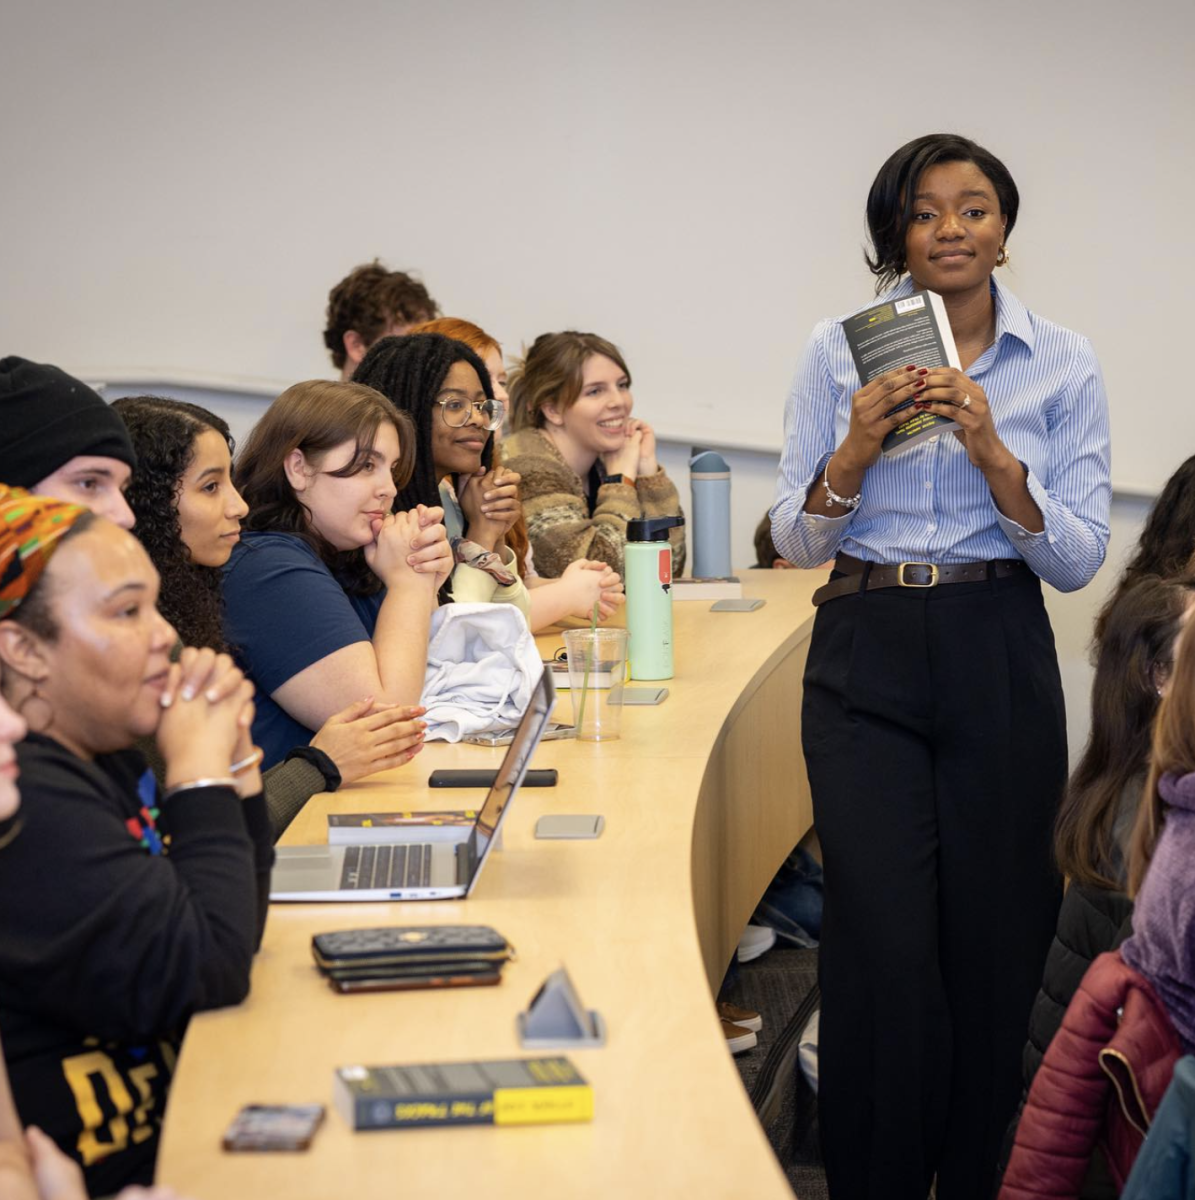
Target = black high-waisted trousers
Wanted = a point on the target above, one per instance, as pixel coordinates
(935, 741)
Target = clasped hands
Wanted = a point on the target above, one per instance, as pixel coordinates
(490, 504)
(945, 391)
(410, 545)
(206, 726)
(636, 458)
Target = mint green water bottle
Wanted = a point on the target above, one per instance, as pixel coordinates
(648, 565)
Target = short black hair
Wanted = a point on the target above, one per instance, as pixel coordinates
(890, 201)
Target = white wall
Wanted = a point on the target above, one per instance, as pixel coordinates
(182, 183)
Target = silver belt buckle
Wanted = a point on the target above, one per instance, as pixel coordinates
(931, 567)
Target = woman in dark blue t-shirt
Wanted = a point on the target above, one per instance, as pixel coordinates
(328, 598)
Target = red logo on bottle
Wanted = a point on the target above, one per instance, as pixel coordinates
(665, 567)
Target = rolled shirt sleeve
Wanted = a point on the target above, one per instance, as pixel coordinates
(810, 435)
(1075, 507)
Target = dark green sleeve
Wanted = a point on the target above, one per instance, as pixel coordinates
(289, 786)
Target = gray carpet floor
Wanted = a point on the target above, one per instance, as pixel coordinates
(774, 985)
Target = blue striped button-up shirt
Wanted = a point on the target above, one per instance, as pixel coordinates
(929, 503)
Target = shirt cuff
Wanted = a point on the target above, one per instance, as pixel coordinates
(814, 521)
(1021, 537)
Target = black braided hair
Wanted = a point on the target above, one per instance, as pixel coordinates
(164, 433)
(410, 371)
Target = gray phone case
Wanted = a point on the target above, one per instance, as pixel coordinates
(569, 825)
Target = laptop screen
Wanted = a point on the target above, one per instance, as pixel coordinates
(514, 765)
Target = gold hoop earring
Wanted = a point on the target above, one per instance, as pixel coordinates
(36, 695)
(1003, 258)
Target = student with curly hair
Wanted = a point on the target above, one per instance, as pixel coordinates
(189, 518)
(587, 466)
(369, 303)
(585, 583)
(445, 389)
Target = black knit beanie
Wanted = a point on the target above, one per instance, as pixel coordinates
(47, 418)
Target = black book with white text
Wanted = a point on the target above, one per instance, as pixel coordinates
(914, 329)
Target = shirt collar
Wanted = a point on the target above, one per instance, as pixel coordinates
(1012, 316)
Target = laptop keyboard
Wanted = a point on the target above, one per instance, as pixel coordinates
(386, 867)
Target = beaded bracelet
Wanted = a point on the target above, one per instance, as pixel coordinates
(832, 497)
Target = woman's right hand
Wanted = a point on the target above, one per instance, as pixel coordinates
(593, 583)
(387, 554)
(872, 420)
(369, 736)
(197, 736)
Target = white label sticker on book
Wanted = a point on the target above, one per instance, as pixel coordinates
(910, 303)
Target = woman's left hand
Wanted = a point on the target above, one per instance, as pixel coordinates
(950, 393)
(648, 464)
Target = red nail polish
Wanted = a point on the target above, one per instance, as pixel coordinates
(919, 406)
(923, 371)
(911, 367)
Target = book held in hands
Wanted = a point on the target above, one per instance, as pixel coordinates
(893, 334)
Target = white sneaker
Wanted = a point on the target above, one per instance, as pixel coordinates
(756, 940)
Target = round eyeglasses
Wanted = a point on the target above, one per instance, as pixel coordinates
(457, 412)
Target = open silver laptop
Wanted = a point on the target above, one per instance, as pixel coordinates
(418, 862)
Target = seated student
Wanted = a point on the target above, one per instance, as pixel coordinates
(108, 944)
(587, 466)
(1133, 670)
(1162, 946)
(1133, 1014)
(369, 303)
(60, 439)
(189, 518)
(445, 389)
(767, 556)
(31, 1166)
(584, 584)
(328, 595)
(1166, 546)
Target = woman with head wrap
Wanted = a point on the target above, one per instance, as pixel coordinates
(123, 909)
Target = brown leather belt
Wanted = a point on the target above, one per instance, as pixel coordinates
(911, 575)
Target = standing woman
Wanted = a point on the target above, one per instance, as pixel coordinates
(933, 722)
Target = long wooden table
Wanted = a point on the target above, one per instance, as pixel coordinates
(704, 797)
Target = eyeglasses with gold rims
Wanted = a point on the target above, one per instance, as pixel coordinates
(458, 411)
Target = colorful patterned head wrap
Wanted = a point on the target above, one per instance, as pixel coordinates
(30, 528)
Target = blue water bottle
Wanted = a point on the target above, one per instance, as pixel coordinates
(709, 474)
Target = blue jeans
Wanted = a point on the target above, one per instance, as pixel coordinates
(792, 905)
